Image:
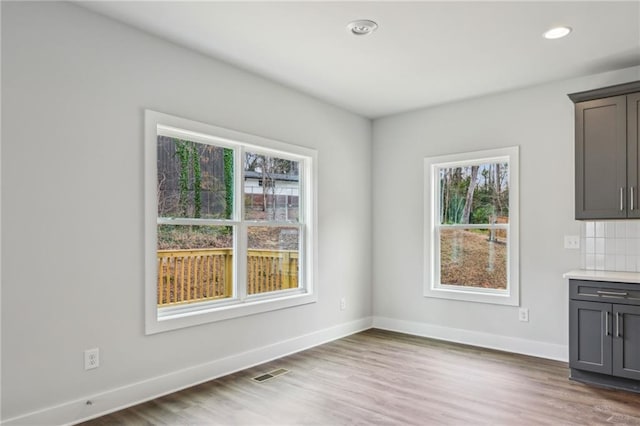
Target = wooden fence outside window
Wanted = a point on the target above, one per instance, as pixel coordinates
(188, 276)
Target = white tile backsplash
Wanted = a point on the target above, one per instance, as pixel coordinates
(590, 245)
(590, 229)
(589, 260)
(610, 245)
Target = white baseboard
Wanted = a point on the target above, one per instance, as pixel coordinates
(475, 338)
(135, 393)
(116, 399)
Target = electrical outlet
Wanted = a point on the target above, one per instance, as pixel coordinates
(523, 314)
(572, 242)
(343, 304)
(91, 358)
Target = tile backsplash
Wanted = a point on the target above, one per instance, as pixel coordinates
(610, 245)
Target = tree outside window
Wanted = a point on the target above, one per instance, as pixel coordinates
(471, 242)
(230, 223)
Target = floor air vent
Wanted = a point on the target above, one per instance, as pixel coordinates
(270, 375)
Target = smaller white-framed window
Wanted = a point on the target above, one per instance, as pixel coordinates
(471, 248)
(220, 243)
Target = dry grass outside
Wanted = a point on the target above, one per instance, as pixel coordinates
(468, 258)
(176, 237)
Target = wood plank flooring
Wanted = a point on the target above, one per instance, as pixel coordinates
(384, 378)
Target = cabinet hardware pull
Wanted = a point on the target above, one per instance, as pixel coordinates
(613, 293)
(631, 197)
(619, 324)
(606, 323)
(621, 199)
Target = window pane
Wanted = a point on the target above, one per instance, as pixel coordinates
(195, 263)
(272, 258)
(195, 180)
(474, 194)
(474, 258)
(271, 188)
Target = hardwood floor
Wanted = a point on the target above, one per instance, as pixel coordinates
(385, 378)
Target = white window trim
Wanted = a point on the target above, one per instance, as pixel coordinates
(432, 287)
(171, 318)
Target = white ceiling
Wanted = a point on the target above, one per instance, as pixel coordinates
(423, 53)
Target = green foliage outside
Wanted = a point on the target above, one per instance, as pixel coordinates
(189, 158)
(197, 180)
(474, 194)
(486, 197)
(228, 182)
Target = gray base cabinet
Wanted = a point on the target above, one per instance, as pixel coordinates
(626, 341)
(604, 333)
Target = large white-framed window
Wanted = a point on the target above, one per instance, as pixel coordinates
(471, 245)
(230, 223)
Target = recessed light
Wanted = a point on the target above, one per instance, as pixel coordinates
(362, 27)
(557, 32)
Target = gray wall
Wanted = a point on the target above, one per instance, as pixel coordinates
(74, 87)
(540, 121)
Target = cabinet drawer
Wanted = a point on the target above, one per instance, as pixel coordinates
(601, 291)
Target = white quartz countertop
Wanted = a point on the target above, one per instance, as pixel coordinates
(614, 276)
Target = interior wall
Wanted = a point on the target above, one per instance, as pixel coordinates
(539, 120)
(75, 86)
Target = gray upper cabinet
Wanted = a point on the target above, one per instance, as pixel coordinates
(607, 154)
(633, 149)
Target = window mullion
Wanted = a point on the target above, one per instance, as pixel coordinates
(474, 226)
(240, 242)
(302, 194)
(436, 256)
(238, 187)
(240, 261)
(197, 222)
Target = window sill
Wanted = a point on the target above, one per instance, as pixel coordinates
(483, 295)
(172, 318)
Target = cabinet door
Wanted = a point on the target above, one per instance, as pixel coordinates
(590, 336)
(626, 341)
(633, 152)
(601, 158)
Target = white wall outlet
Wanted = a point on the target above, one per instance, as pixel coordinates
(572, 242)
(523, 314)
(343, 304)
(91, 358)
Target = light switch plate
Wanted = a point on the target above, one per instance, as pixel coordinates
(572, 242)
